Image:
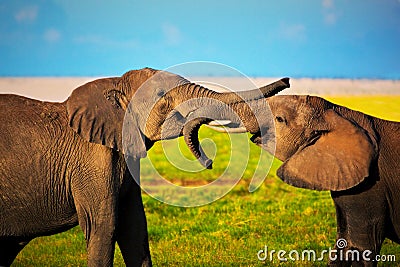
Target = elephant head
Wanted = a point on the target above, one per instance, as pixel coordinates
(322, 145)
(131, 112)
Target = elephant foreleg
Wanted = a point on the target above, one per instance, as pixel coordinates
(353, 255)
(98, 222)
(132, 234)
(360, 232)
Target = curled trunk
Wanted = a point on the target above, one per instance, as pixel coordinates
(190, 133)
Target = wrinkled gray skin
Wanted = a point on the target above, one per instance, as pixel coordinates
(64, 164)
(330, 147)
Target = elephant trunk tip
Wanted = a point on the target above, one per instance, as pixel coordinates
(276, 87)
(207, 163)
(286, 81)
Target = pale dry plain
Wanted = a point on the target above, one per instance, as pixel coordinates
(59, 88)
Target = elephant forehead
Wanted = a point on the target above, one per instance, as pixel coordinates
(147, 82)
(292, 105)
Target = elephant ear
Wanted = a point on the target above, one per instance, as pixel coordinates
(338, 160)
(96, 112)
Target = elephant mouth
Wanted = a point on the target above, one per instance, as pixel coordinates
(262, 137)
(315, 135)
(256, 138)
(265, 141)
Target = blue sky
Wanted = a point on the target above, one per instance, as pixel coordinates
(315, 38)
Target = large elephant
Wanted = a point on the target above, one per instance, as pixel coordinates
(325, 146)
(64, 164)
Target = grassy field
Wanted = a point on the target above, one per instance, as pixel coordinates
(231, 230)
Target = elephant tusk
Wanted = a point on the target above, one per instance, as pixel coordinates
(219, 122)
(225, 123)
(227, 130)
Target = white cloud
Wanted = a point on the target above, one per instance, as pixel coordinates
(293, 32)
(99, 40)
(172, 34)
(327, 3)
(52, 35)
(329, 12)
(27, 14)
(330, 18)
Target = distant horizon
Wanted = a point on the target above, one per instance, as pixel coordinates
(59, 88)
(216, 76)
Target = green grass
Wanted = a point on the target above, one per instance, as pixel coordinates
(231, 230)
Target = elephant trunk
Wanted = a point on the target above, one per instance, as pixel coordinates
(200, 93)
(190, 133)
(239, 108)
(265, 91)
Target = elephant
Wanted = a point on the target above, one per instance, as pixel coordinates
(324, 146)
(78, 161)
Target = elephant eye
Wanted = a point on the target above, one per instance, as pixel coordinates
(161, 92)
(279, 119)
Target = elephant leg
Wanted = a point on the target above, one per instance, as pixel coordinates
(132, 236)
(353, 255)
(97, 218)
(360, 234)
(9, 249)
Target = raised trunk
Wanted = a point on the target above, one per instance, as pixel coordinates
(197, 91)
(265, 91)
